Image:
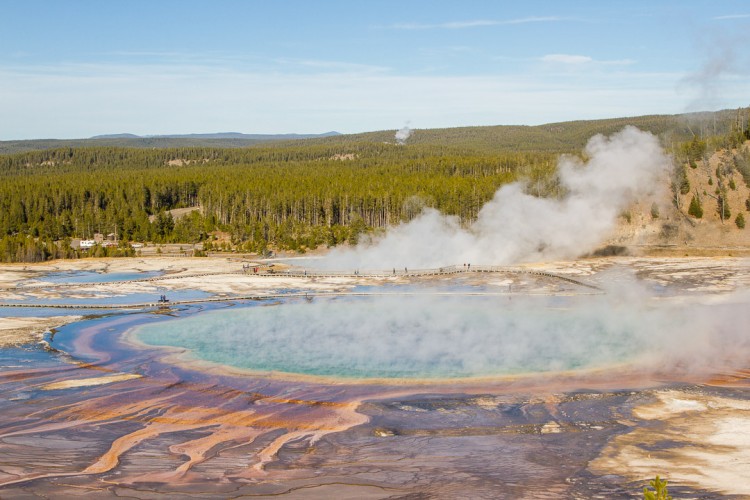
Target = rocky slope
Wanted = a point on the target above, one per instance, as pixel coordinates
(659, 224)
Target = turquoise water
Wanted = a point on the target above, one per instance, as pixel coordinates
(61, 277)
(407, 336)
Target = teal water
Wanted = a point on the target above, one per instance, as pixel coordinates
(408, 336)
(61, 277)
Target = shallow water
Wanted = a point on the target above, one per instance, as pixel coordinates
(107, 298)
(32, 356)
(61, 277)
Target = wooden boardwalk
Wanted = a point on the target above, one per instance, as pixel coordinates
(299, 273)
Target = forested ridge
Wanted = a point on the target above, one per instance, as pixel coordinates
(550, 137)
(294, 195)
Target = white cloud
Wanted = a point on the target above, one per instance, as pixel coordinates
(80, 100)
(337, 66)
(566, 59)
(449, 25)
(732, 16)
(452, 25)
(540, 19)
(573, 59)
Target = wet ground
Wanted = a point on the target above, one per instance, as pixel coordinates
(102, 418)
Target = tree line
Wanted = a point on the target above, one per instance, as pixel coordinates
(296, 197)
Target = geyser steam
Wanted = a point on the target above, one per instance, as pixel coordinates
(403, 135)
(515, 226)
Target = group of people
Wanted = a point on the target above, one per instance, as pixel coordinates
(467, 267)
(246, 268)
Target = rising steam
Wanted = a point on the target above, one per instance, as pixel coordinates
(422, 336)
(403, 135)
(722, 60)
(515, 226)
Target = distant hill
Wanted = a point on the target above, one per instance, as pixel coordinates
(562, 137)
(220, 135)
(115, 136)
(556, 137)
(216, 140)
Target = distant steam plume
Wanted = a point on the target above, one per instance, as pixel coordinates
(403, 135)
(515, 226)
(722, 60)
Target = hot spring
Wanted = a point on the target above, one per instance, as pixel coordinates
(427, 336)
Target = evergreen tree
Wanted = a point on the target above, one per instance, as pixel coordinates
(695, 209)
(659, 492)
(723, 206)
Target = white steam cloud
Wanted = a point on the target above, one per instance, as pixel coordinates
(403, 135)
(722, 61)
(461, 336)
(515, 226)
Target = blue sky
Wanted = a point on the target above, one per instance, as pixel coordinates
(73, 69)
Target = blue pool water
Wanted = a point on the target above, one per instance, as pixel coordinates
(62, 277)
(404, 337)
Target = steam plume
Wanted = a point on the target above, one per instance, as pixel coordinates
(403, 135)
(720, 62)
(515, 226)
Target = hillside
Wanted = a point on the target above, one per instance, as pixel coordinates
(720, 179)
(219, 140)
(552, 137)
(303, 194)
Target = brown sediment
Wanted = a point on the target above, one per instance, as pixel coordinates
(345, 418)
(189, 408)
(702, 440)
(736, 378)
(88, 382)
(197, 449)
(111, 458)
(195, 425)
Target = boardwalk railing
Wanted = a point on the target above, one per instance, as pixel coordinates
(323, 273)
(437, 271)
